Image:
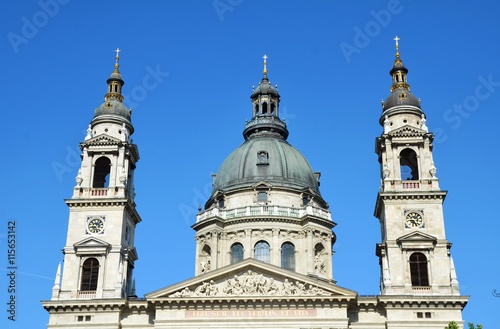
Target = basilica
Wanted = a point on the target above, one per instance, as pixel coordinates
(264, 237)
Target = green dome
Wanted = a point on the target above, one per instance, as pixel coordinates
(265, 158)
(114, 107)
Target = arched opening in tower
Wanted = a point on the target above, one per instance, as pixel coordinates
(264, 108)
(102, 169)
(408, 164)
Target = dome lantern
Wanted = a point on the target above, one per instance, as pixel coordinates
(265, 109)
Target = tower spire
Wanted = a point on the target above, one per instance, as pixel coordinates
(117, 59)
(115, 81)
(265, 64)
(401, 98)
(113, 108)
(396, 38)
(399, 71)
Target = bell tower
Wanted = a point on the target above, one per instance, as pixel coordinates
(99, 254)
(414, 254)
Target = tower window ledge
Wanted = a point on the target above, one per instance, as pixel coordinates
(99, 192)
(86, 294)
(421, 290)
(410, 184)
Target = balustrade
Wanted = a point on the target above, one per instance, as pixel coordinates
(266, 210)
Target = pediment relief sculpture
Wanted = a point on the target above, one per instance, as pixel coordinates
(102, 140)
(251, 283)
(407, 131)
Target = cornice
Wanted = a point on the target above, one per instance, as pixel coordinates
(94, 202)
(223, 223)
(89, 305)
(383, 197)
(414, 195)
(127, 203)
(407, 301)
(403, 301)
(248, 302)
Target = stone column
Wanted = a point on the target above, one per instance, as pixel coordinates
(309, 251)
(248, 251)
(276, 248)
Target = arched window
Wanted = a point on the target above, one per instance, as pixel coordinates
(273, 107)
(288, 256)
(256, 109)
(418, 270)
(102, 168)
(236, 253)
(262, 251)
(264, 108)
(409, 164)
(206, 251)
(90, 272)
(319, 261)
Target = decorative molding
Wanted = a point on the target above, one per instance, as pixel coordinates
(102, 140)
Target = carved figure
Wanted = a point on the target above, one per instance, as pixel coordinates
(387, 125)
(205, 265)
(319, 264)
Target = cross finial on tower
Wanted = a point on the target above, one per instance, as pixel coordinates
(265, 64)
(117, 58)
(396, 38)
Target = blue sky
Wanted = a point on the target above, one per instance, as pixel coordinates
(189, 67)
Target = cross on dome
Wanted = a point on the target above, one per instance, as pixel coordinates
(396, 38)
(117, 58)
(265, 63)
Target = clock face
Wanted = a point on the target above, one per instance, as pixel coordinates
(414, 219)
(95, 226)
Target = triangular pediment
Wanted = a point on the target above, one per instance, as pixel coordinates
(251, 278)
(102, 140)
(417, 236)
(417, 241)
(262, 184)
(91, 242)
(407, 131)
(91, 245)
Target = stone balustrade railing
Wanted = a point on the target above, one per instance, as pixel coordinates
(264, 210)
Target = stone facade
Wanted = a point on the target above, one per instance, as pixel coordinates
(264, 239)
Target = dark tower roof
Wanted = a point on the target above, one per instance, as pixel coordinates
(400, 89)
(401, 99)
(112, 108)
